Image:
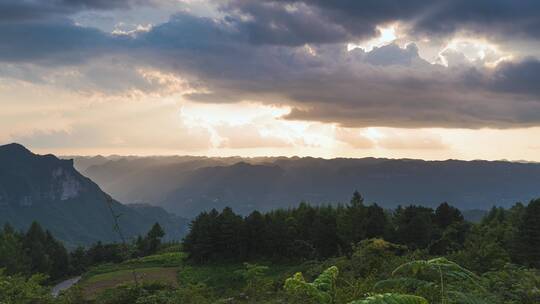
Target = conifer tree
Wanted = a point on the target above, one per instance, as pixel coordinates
(528, 238)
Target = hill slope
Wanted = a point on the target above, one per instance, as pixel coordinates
(188, 185)
(49, 190)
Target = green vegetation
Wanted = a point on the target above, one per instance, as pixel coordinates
(37, 251)
(305, 255)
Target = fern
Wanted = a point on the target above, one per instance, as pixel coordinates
(327, 279)
(465, 298)
(434, 276)
(392, 298)
(321, 290)
(407, 283)
(435, 267)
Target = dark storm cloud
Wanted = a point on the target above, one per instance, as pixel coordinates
(43, 31)
(489, 17)
(518, 77)
(25, 10)
(278, 24)
(102, 4)
(58, 42)
(258, 52)
(388, 86)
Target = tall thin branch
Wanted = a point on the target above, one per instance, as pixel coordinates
(117, 228)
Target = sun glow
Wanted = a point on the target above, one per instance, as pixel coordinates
(474, 50)
(372, 133)
(387, 34)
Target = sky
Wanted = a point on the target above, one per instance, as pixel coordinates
(435, 79)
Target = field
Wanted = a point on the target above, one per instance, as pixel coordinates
(161, 267)
(170, 268)
(101, 282)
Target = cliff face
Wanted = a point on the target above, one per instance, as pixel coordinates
(50, 191)
(27, 179)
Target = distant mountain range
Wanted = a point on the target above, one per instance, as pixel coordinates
(186, 185)
(49, 190)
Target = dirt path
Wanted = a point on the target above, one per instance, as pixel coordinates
(64, 285)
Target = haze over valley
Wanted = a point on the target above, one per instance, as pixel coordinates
(187, 185)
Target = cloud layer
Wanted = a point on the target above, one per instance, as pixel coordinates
(294, 53)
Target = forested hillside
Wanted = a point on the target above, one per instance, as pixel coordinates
(355, 253)
(50, 191)
(188, 185)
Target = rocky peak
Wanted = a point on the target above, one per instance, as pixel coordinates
(27, 178)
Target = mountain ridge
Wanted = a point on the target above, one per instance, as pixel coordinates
(190, 186)
(49, 190)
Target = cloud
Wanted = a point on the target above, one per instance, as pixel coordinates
(81, 136)
(392, 54)
(32, 10)
(293, 53)
(518, 77)
(439, 17)
(353, 138)
(51, 42)
(248, 137)
(416, 140)
(272, 23)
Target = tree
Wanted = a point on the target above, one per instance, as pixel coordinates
(153, 238)
(200, 242)
(34, 246)
(528, 237)
(414, 226)
(255, 234)
(12, 255)
(446, 215)
(376, 222)
(79, 260)
(58, 257)
(352, 221)
(229, 241)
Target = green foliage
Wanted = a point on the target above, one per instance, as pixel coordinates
(482, 251)
(129, 293)
(170, 259)
(20, 290)
(36, 251)
(319, 232)
(514, 285)
(371, 270)
(376, 255)
(352, 221)
(151, 242)
(414, 226)
(74, 295)
(321, 290)
(12, 253)
(527, 250)
(439, 280)
(256, 283)
(188, 294)
(391, 298)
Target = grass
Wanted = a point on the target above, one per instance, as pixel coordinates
(171, 259)
(224, 279)
(160, 267)
(99, 283)
(170, 268)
